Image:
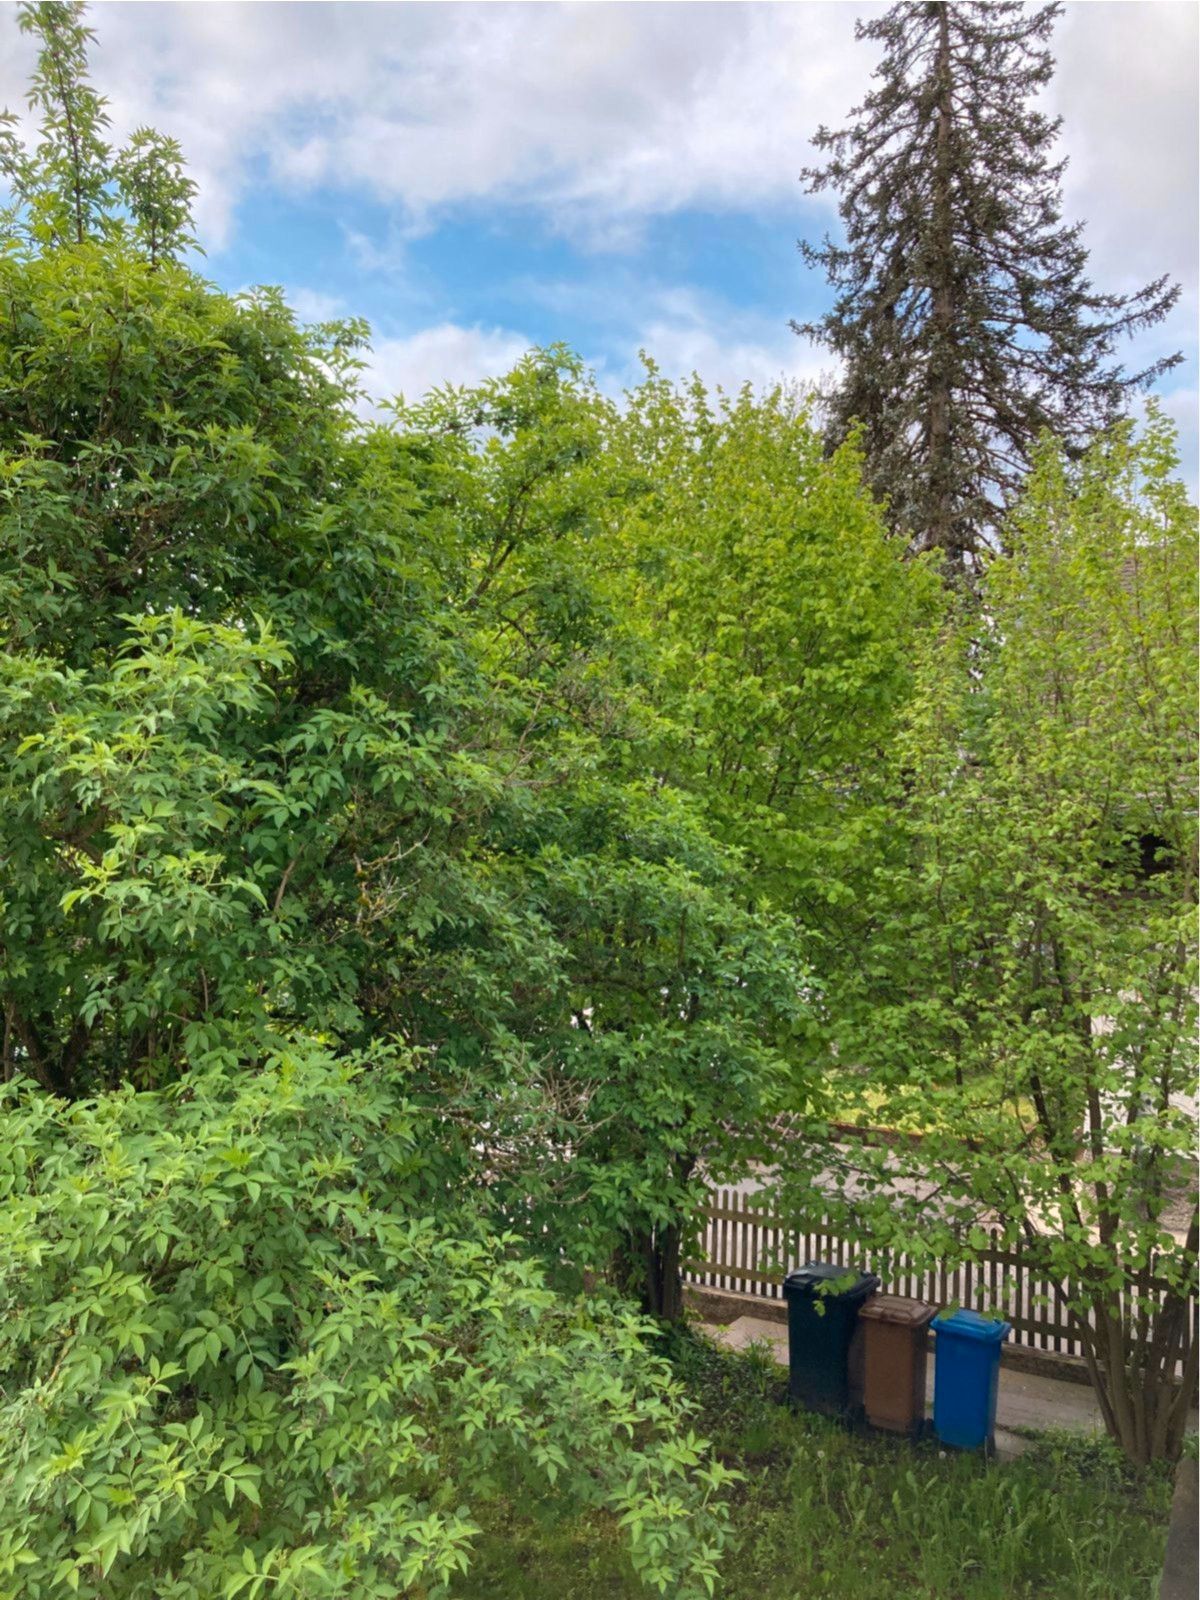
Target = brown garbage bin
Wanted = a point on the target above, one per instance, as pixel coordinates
(895, 1336)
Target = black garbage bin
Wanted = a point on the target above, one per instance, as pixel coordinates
(819, 1339)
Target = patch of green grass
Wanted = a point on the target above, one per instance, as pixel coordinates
(824, 1512)
(924, 1111)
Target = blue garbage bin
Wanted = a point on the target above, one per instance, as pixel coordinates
(966, 1376)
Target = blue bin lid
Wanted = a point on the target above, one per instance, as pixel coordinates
(970, 1325)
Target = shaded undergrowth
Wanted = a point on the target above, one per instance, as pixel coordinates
(824, 1512)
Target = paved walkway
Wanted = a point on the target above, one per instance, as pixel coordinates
(1025, 1400)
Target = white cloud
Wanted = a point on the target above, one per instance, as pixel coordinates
(601, 115)
(314, 305)
(440, 355)
(1182, 406)
(686, 332)
(387, 257)
(1126, 87)
(683, 332)
(598, 114)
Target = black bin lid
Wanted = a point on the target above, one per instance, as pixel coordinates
(806, 1281)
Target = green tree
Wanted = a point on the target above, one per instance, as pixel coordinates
(318, 741)
(963, 312)
(1026, 990)
(735, 805)
(152, 182)
(783, 624)
(64, 181)
(662, 1042)
(140, 947)
(70, 188)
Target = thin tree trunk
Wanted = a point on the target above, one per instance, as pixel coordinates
(942, 533)
(1144, 1406)
(647, 1267)
(670, 1277)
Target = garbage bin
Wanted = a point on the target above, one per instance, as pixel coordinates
(819, 1339)
(895, 1338)
(966, 1376)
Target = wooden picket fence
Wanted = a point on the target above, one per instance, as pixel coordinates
(746, 1249)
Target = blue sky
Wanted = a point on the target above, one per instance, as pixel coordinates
(473, 179)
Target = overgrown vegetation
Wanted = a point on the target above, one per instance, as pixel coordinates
(433, 851)
(1028, 949)
(822, 1511)
(249, 1349)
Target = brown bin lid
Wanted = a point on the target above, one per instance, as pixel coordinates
(899, 1309)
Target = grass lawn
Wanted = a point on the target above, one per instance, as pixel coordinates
(824, 1512)
(921, 1109)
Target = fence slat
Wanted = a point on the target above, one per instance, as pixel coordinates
(739, 1234)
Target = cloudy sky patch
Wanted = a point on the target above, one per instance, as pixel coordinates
(476, 178)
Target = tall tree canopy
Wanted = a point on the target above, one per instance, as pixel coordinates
(964, 314)
(1023, 993)
(361, 986)
(781, 683)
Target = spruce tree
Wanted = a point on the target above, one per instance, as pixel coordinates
(964, 315)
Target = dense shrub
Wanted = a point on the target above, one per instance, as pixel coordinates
(244, 1354)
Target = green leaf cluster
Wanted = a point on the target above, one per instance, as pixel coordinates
(244, 1354)
(70, 187)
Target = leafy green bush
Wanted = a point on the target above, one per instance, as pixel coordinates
(824, 1510)
(247, 1347)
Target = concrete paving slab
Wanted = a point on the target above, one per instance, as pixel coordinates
(1026, 1400)
(1010, 1445)
(745, 1331)
(1181, 1568)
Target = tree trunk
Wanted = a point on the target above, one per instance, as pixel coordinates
(1132, 1362)
(648, 1265)
(942, 533)
(669, 1284)
(647, 1268)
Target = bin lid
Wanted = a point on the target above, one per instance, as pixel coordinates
(970, 1325)
(806, 1280)
(899, 1309)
